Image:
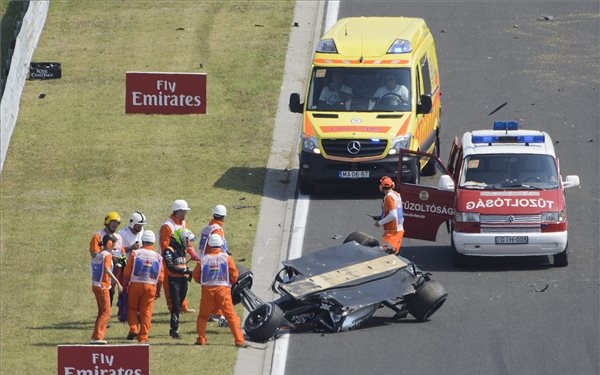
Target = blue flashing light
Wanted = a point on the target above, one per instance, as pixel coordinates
(326, 46)
(506, 125)
(530, 139)
(485, 139)
(526, 139)
(400, 46)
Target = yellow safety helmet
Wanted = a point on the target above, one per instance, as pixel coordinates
(112, 216)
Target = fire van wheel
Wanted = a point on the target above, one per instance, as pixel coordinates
(263, 322)
(561, 259)
(458, 260)
(363, 239)
(427, 300)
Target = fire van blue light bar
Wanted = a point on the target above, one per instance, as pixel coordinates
(489, 139)
(506, 125)
(530, 139)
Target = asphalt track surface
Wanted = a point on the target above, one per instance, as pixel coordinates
(503, 315)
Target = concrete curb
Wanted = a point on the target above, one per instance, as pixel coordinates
(275, 223)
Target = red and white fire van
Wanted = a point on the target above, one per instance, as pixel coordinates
(501, 194)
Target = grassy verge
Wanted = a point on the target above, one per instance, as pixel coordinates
(76, 155)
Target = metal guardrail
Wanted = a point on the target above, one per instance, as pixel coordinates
(26, 41)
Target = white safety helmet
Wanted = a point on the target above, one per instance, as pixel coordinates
(137, 218)
(215, 240)
(180, 204)
(148, 236)
(220, 210)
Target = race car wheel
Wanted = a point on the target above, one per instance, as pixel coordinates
(245, 280)
(427, 300)
(363, 239)
(561, 259)
(263, 322)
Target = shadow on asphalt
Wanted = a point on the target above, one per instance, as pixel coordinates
(252, 180)
(439, 259)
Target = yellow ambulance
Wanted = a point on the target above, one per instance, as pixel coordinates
(374, 88)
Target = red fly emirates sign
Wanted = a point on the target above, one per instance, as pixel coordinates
(165, 93)
(103, 360)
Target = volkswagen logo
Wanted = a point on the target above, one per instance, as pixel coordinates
(510, 219)
(353, 147)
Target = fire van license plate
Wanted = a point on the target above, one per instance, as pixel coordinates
(511, 240)
(354, 174)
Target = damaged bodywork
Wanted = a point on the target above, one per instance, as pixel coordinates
(337, 289)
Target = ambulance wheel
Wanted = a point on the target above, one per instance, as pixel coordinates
(429, 169)
(414, 175)
(263, 322)
(427, 300)
(305, 187)
(562, 259)
(362, 238)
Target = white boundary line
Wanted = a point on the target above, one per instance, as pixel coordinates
(299, 225)
(296, 241)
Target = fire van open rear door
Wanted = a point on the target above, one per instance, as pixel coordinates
(426, 205)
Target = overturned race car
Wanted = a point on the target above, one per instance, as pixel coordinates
(337, 289)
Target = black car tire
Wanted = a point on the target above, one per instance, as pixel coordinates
(245, 280)
(427, 300)
(363, 239)
(263, 322)
(561, 259)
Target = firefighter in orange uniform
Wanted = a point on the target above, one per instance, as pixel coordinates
(392, 216)
(176, 221)
(101, 270)
(216, 271)
(215, 225)
(143, 278)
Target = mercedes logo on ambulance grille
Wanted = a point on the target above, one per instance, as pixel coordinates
(353, 147)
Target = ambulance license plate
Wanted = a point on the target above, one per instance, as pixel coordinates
(512, 240)
(354, 174)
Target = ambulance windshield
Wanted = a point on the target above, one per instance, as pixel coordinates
(509, 171)
(360, 89)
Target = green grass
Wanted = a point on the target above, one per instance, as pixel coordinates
(75, 155)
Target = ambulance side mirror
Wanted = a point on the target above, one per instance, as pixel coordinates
(424, 107)
(571, 181)
(295, 105)
(446, 183)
